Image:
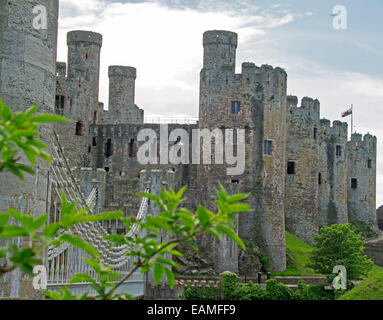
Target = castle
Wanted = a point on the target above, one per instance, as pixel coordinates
(301, 171)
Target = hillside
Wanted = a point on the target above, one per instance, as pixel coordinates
(298, 255)
(369, 289)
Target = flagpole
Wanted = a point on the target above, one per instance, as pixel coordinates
(352, 119)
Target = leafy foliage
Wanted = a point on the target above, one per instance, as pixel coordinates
(364, 230)
(17, 135)
(199, 293)
(277, 291)
(340, 245)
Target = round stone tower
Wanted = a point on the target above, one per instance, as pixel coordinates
(27, 76)
(122, 82)
(84, 48)
(217, 75)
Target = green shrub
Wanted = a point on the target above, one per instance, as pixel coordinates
(249, 291)
(229, 285)
(200, 293)
(277, 291)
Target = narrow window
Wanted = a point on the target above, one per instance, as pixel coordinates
(235, 107)
(290, 167)
(95, 117)
(369, 163)
(94, 142)
(354, 183)
(132, 149)
(108, 148)
(319, 178)
(59, 104)
(79, 128)
(267, 147)
(235, 136)
(315, 133)
(89, 149)
(338, 151)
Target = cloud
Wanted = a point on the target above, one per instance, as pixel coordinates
(163, 43)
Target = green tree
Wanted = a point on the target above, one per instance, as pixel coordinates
(340, 245)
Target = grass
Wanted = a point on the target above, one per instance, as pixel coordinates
(299, 255)
(369, 289)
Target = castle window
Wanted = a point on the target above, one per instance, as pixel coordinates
(369, 163)
(132, 149)
(354, 183)
(291, 167)
(268, 144)
(60, 102)
(95, 117)
(235, 136)
(106, 169)
(108, 148)
(79, 128)
(235, 107)
(315, 133)
(89, 149)
(338, 151)
(94, 142)
(319, 178)
(235, 181)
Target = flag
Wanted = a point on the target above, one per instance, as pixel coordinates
(347, 113)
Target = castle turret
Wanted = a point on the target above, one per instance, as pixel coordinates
(84, 49)
(361, 176)
(77, 94)
(122, 108)
(220, 50)
(302, 176)
(333, 173)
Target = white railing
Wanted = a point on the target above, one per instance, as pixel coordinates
(171, 120)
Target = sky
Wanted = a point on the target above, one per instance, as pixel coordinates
(163, 40)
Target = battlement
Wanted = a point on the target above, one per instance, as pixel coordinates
(84, 36)
(122, 71)
(367, 142)
(292, 101)
(220, 37)
(61, 69)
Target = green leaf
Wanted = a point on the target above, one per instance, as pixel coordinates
(39, 222)
(43, 118)
(203, 216)
(13, 232)
(4, 217)
(51, 229)
(158, 272)
(79, 243)
(238, 197)
(171, 278)
(82, 277)
(231, 234)
(118, 215)
(168, 262)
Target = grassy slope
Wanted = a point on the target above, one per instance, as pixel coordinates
(301, 253)
(369, 289)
